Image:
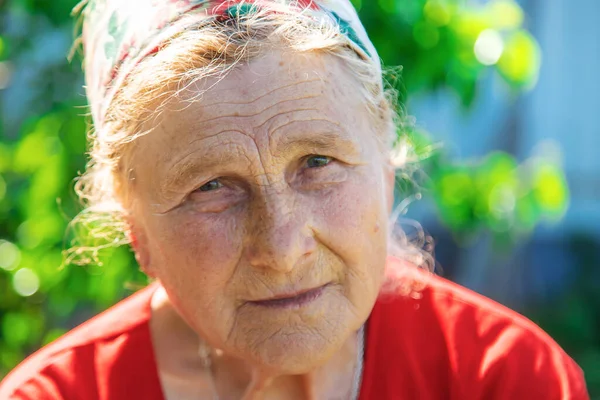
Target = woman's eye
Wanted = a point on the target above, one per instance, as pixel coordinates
(317, 161)
(211, 185)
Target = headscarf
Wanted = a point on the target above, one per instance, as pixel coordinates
(118, 34)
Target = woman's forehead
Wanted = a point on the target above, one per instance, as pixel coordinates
(274, 76)
(271, 98)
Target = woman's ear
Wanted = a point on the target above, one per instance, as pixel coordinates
(139, 243)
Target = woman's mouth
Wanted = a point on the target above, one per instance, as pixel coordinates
(293, 300)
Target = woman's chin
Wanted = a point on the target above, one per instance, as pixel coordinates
(293, 354)
(291, 347)
(294, 340)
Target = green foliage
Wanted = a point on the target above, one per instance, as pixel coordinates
(497, 194)
(441, 44)
(448, 44)
(39, 297)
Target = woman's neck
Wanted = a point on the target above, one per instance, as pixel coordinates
(185, 374)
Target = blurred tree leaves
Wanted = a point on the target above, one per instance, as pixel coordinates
(42, 148)
(442, 44)
(435, 41)
(499, 195)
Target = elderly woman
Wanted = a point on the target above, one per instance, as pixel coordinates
(247, 148)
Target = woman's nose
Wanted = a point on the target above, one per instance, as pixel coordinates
(278, 236)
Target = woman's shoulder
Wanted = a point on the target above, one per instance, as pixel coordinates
(418, 293)
(76, 362)
(454, 311)
(431, 329)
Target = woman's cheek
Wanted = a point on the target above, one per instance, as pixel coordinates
(352, 223)
(351, 212)
(204, 245)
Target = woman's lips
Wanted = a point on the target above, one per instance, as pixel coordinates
(291, 301)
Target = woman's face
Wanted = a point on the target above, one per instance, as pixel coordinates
(262, 208)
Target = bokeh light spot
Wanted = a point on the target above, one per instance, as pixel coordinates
(437, 12)
(10, 256)
(551, 190)
(489, 47)
(507, 14)
(27, 235)
(520, 62)
(502, 200)
(26, 282)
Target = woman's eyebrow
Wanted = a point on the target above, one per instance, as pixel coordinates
(182, 172)
(325, 141)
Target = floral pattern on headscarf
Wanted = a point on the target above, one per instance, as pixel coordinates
(118, 34)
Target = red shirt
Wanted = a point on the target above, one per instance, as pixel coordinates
(445, 343)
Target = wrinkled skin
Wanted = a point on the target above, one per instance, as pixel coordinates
(272, 183)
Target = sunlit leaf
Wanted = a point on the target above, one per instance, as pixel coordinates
(521, 60)
(455, 187)
(35, 149)
(438, 12)
(550, 189)
(505, 14)
(468, 25)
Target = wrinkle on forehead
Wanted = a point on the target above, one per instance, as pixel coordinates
(261, 96)
(198, 121)
(252, 108)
